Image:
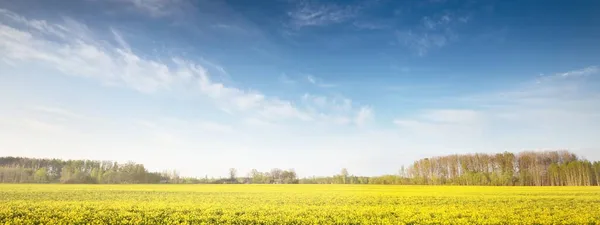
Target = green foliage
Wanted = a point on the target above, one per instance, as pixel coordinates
(552, 168)
(28, 170)
(275, 176)
(41, 175)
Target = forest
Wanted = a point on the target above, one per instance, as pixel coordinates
(548, 168)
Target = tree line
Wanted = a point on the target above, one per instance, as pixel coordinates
(550, 168)
(33, 170)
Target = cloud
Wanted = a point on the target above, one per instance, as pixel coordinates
(311, 14)
(433, 24)
(59, 112)
(550, 115)
(259, 128)
(73, 54)
(123, 44)
(283, 109)
(319, 82)
(39, 25)
(219, 69)
(337, 110)
(256, 131)
(421, 42)
(444, 130)
(569, 74)
(430, 33)
(582, 72)
(145, 124)
(364, 115)
(174, 123)
(162, 131)
(179, 133)
(367, 25)
(286, 79)
(453, 116)
(431, 121)
(256, 122)
(323, 102)
(155, 8)
(42, 126)
(311, 79)
(71, 48)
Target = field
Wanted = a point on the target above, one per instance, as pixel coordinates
(296, 204)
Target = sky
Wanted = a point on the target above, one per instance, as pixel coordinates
(203, 86)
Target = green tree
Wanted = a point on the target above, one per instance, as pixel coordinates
(344, 175)
(41, 175)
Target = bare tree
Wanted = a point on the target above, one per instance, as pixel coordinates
(232, 174)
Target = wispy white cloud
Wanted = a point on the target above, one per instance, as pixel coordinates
(217, 68)
(446, 120)
(59, 112)
(283, 109)
(582, 72)
(464, 19)
(256, 122)
(337, 110)
(174, 124)
(39, 25)
(550, 115)
(120, 40)
(311, 79)
(319, 13)
(430, 33)
(225, 26)
(236, 29)
(364, 115)
(75, 51)
(421, 42)
(286, 79)
(433, 24)
(319, 82)
(42, 126)
(453, 116)
(370, 25)
(75, 55)
(155, 8)
(145, 123)
(335, 103)
(569, 74)
(312, 14)
(257, 128)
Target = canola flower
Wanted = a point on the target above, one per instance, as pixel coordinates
(296, 204)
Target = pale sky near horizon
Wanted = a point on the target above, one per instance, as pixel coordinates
(201, 86)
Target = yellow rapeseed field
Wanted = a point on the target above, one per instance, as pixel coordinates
(296, 204)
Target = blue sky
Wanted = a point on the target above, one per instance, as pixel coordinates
(202, 86)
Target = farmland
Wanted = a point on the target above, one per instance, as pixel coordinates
(296, 204)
